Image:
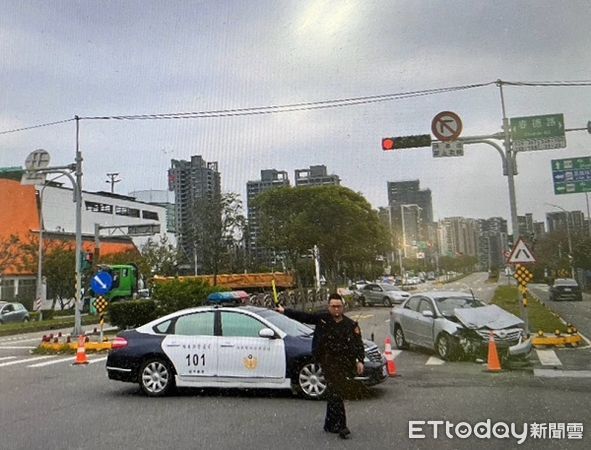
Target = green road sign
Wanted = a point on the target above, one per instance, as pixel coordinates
(572, 175)
(538, 132)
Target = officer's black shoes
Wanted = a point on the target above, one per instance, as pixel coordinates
(328, 430)
(345, 433)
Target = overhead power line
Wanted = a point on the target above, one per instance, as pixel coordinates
(273, 109)
(36, 126)
(307, 106)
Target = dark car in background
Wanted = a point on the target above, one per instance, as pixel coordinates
(13, 312)
(565, 289)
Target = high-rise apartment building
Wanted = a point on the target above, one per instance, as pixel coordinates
(409, 193)
(270, 179)
(492, 242)
(560, 220)
(194, 183)
(459, 236)
(314, 176)
(410, 213)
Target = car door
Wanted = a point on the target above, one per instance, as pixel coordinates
(409, 319)
(425, 324)
(366, 292)
(373, 293)
(8, 314)
(243, 354)
(193, 347)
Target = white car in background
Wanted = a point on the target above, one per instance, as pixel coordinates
(380, 294)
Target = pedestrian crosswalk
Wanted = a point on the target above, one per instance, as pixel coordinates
(16, 353)
(30, 361)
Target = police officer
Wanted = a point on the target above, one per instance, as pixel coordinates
(338, 348)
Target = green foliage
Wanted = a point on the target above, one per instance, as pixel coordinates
(175, 294)
(159, 257)
(132, 314)
(540, 317)
(218, 232)
(44, 325)
(8, 247)
(339, 221)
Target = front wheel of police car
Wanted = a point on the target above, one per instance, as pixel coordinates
(156, 377)
(310, 382)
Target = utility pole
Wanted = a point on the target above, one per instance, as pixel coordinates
(112, 180)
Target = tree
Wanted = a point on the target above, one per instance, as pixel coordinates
(160, 257)
(340, 222)
(8, 249)
(220, 232)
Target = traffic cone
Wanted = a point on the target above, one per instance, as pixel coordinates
(81, 357)
(493, 357)
(391, 366)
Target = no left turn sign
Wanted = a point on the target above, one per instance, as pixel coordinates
(446, 126)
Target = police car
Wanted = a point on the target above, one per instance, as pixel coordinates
(226, 347)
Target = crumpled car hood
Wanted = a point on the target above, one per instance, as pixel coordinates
(489, 316)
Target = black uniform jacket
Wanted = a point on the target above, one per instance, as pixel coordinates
(336, 345)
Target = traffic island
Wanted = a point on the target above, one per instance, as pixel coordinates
(60, 344)
(571, 339)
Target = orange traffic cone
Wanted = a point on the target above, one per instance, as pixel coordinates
(81, 357)
(391, 366)
(493, 357)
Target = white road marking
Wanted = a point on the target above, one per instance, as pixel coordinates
(395, 353)
(434, 361)
(551, 373)
(11, 340)
(4, 358)
(55, 361)
(548, 358)
(16, 347)
(24, 361)
(92, 361)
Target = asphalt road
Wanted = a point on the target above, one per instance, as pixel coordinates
(59, 406)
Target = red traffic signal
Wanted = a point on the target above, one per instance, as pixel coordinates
(387, 144)
(392, 143)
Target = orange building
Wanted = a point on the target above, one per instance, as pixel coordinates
(19, 217)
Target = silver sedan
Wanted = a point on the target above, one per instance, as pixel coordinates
(456, 324)
(380, 294)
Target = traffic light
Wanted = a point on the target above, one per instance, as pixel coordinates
(400, 142)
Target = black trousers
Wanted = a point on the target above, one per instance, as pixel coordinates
(336, 388)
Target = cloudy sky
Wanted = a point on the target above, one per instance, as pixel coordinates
(103, 58)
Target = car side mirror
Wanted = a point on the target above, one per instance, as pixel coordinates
(428, 313)
(267, 333)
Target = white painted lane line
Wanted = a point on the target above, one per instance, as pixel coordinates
(17, 347)
(4, 358)
(38, 339)
(395, 353)
(548, 358)
(92, 361)
(24, 361)
(551, 373)
(434, 361)
(55, 361)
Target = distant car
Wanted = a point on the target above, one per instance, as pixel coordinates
(455, 324)
(565, 289)
(13, 312)
(226, 347)
(358, 285)
(380, 294)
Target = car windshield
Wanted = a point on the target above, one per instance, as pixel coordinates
(290, 326)
(447, 304)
